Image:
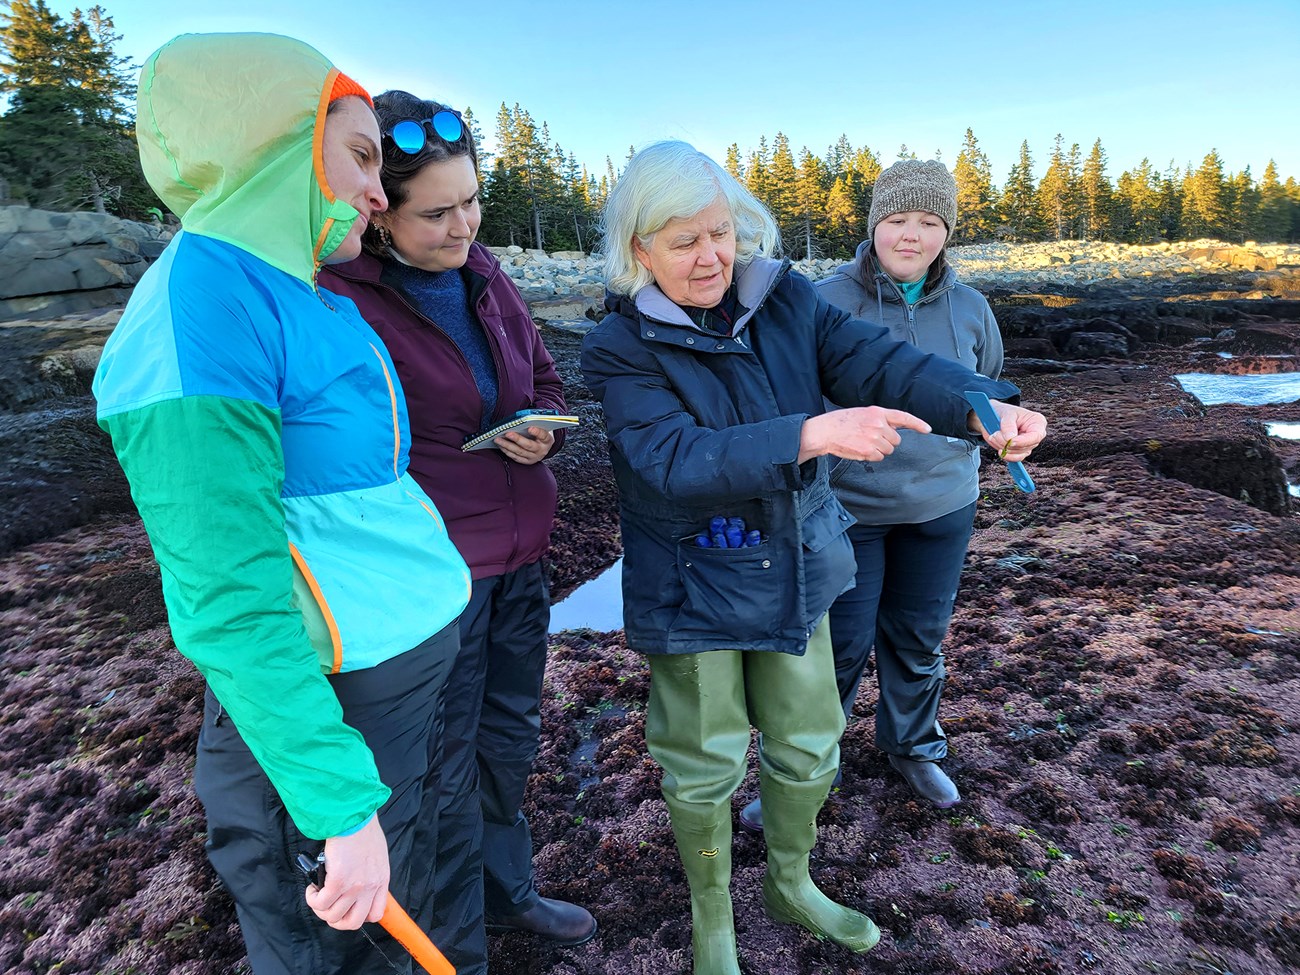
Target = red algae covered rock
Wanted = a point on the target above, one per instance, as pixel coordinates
(1122, 705)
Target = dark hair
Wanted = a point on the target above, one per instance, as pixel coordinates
(871, 267)
(401, 167)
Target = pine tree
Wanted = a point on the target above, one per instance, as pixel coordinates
(976, 203)
(733, 164)
(476, 133)
(1097, 195)
(810, 200)
(64, 76)
(528, 151)
(38, 49)
(1074, 193)
(1019, 209)
(1171, 203)
(1293, 195)
(1273, 218)
(1241, 201)
(1053, 194)
(845, 218)
(1243, 206)
(838, 156)
(1135, 214)
(1205, 212)
(781, 186)
(505, 208)
(865, 164)
(757, 179)
(578, 205)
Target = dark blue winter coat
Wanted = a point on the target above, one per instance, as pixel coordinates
(703, 424)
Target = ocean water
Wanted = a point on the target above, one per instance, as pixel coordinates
(1286, 431)
(596, 604)
(1214, 390)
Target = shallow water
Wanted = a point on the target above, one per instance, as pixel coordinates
(1285, 431)
(596, 605)
(1214, 390)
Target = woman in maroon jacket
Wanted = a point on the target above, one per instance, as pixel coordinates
(469, 356)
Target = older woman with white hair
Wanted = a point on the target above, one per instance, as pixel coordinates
(711, 366)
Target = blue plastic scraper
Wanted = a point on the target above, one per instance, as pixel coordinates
(988, 416)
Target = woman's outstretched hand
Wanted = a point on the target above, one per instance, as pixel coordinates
(1022, 430)
(856, 433)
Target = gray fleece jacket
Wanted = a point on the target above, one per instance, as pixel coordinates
(928, 475)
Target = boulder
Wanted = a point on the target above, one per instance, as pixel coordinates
(579, 326)
(569, 308)
(47, 258)
(1096, 345)
(1266, 338)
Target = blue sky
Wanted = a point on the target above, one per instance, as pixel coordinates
(1167, 80)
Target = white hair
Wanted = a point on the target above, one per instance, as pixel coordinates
(674, 180)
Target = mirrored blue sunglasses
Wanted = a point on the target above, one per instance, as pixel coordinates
(410, 136)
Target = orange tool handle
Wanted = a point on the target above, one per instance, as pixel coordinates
(399, 924)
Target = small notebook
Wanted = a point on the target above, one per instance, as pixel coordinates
(545, 421)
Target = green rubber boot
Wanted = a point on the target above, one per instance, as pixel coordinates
(789, 894)
(705, 847)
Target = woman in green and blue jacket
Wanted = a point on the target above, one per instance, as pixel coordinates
(264, 434)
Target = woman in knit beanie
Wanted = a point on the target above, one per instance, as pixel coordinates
(915, 509)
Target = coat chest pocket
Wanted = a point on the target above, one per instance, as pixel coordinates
(732, 594)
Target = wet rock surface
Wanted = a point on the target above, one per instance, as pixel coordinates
(1122, 704)
(58, 470)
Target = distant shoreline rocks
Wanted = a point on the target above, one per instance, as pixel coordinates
(54, 264)
(1053, 274)
(59, 264)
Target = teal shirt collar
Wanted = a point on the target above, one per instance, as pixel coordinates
(911, 290)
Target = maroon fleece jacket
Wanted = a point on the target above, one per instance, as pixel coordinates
(498, 512)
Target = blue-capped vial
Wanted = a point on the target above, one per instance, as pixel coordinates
(702, 540)
(716, 524)
(754, 539)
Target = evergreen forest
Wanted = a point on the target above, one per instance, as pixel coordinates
(67, 142)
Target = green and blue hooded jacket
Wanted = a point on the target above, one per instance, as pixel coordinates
(262, 426)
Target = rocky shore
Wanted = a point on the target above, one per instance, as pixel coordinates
(1123, 698)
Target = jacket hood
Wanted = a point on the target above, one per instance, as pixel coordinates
(754, 282)
(231, 129)
(862, 268)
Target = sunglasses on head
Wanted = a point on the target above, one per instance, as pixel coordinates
(410, 136)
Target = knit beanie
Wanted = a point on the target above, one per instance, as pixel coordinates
(914, 184)
(344, 86)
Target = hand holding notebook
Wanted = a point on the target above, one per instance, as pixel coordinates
(519, 423)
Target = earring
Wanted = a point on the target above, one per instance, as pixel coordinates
(385, 237)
